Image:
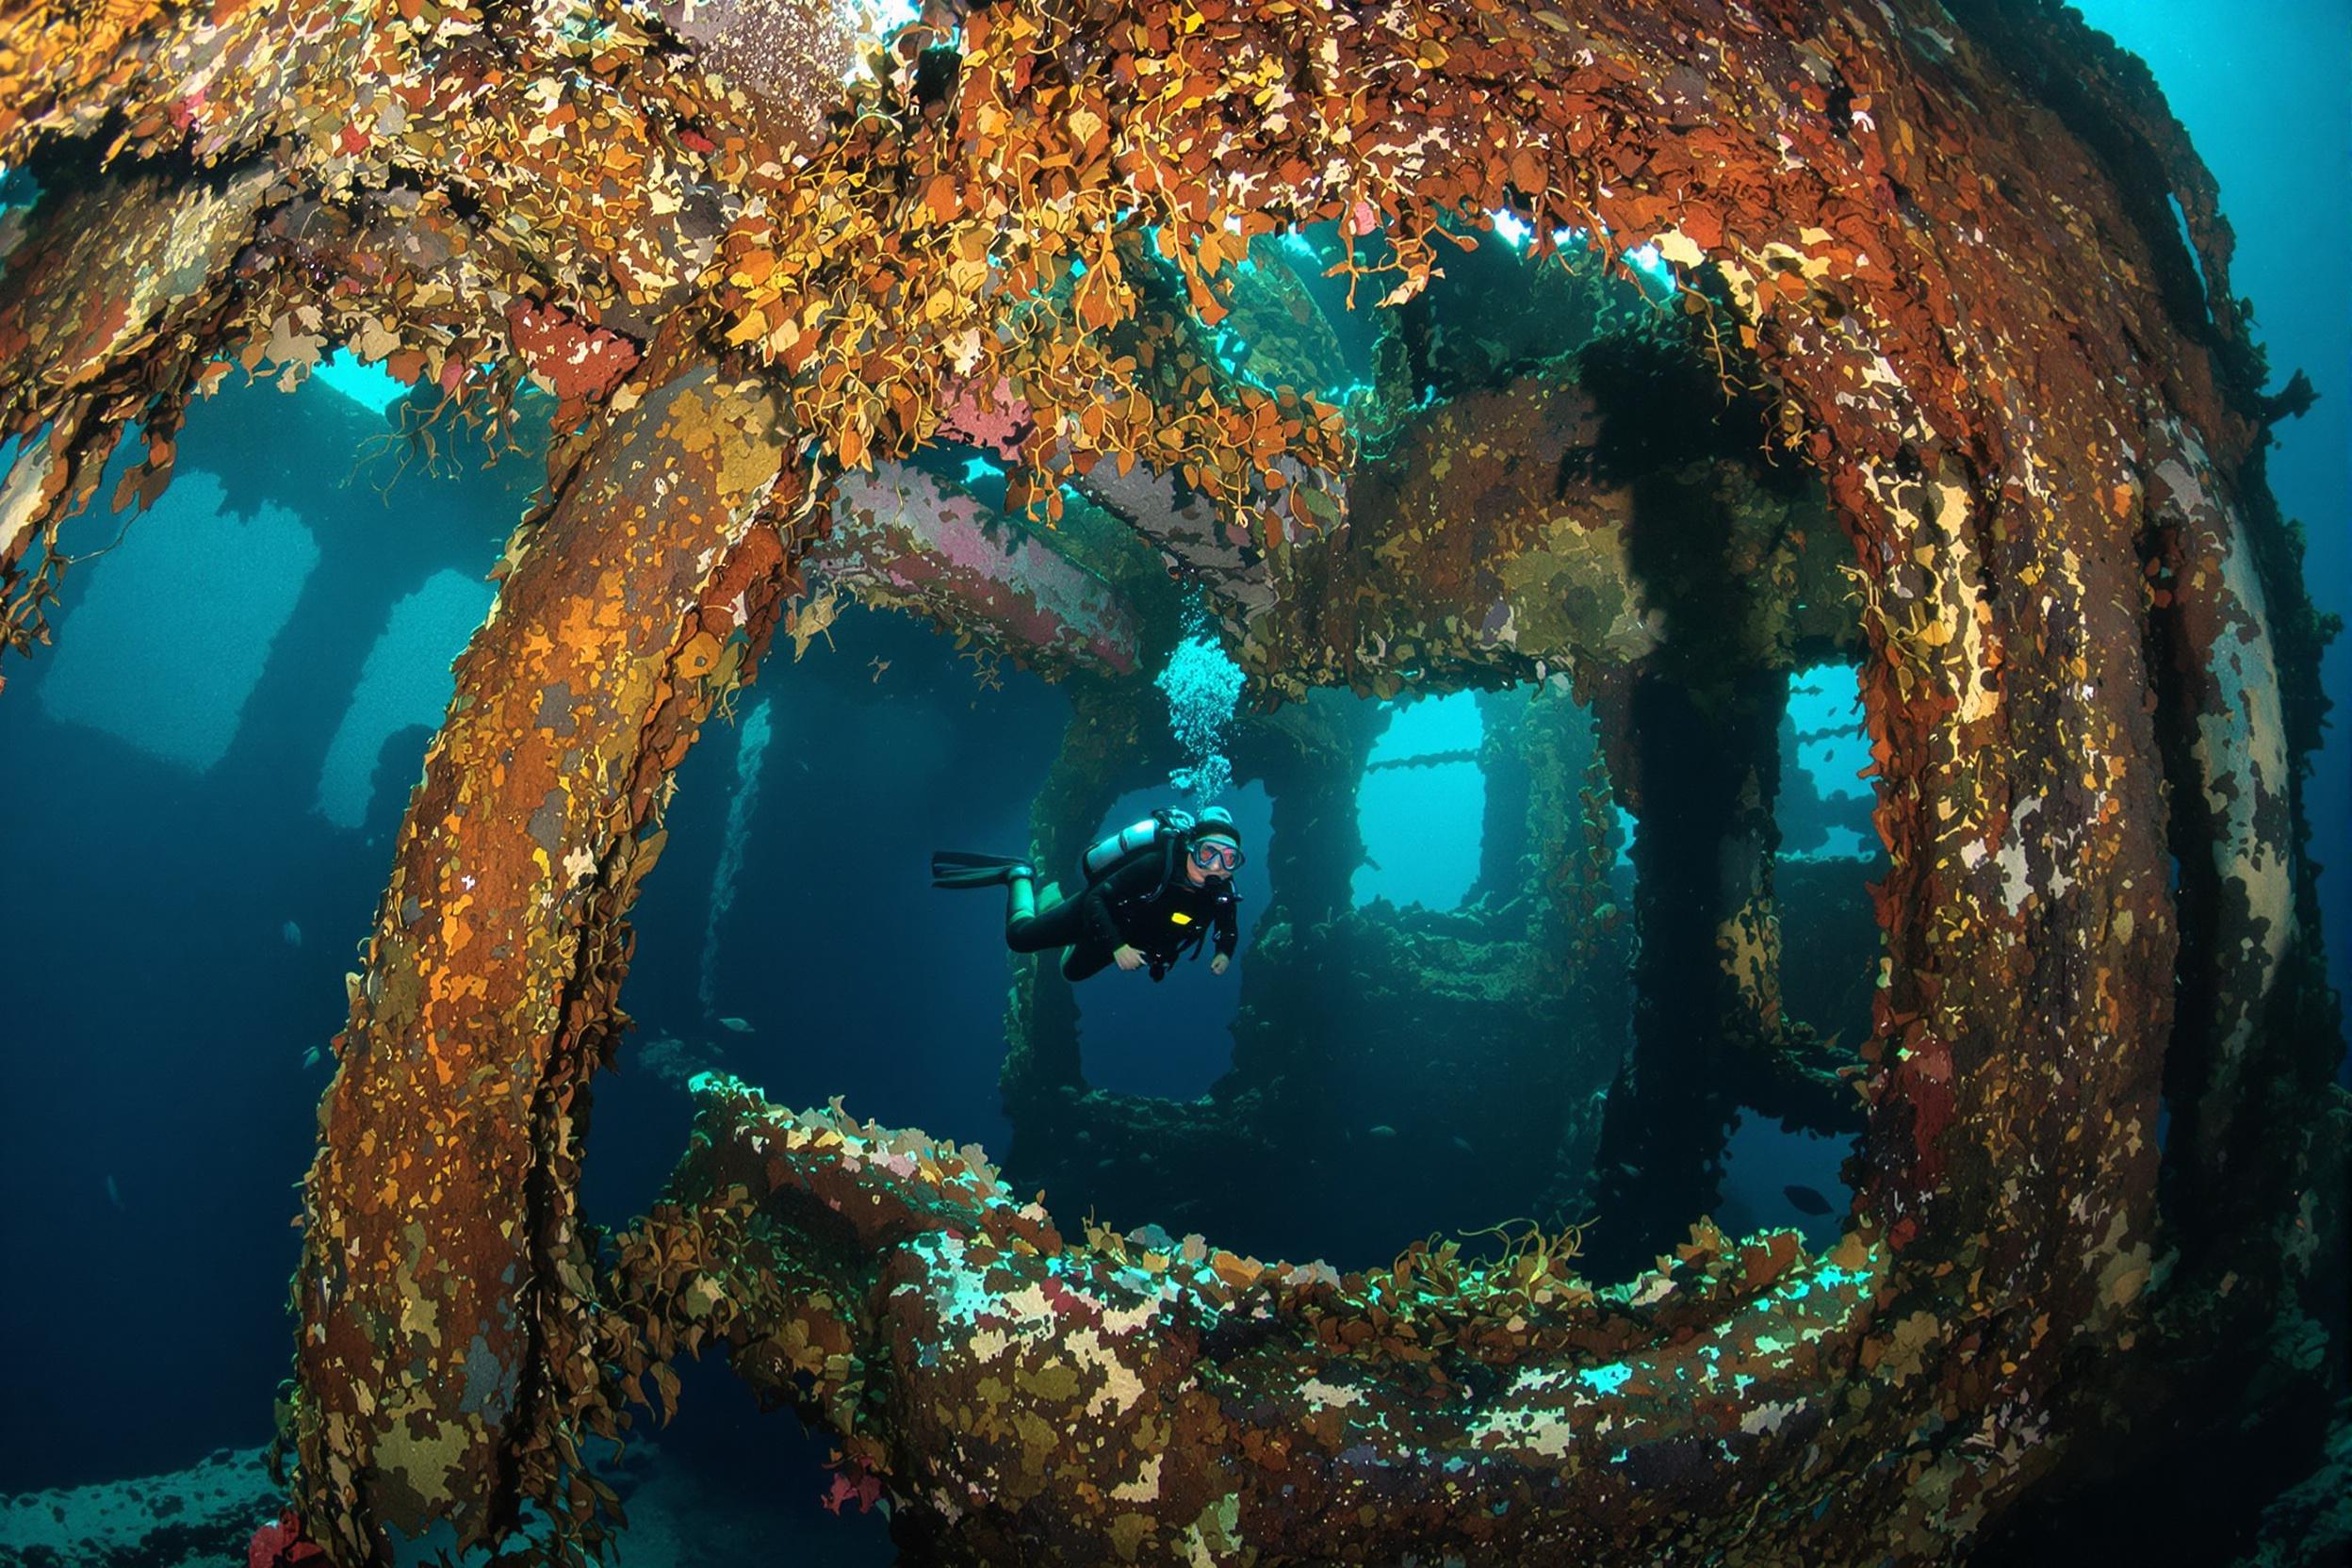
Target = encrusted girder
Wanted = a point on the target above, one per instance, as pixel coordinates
(2224, 711)
(905, 539)
(1049, 1398)
(1954, 281)
(445, 1268)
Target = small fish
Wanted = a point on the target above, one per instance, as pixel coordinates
(114, 1194)
(740, 1026)
(1463, 1144)
(1382, 1131)
(292, 933)
(310, 1057)
(1805, 1200)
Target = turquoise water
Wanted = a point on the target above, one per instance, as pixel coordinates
(207, 769)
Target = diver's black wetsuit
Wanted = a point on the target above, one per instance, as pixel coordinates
(1145, 904)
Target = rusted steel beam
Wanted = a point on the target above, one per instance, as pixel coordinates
(444, 1284)
(1568, 810)
(111, 269)
(1706, 978)
(904, 539)
(1954, 293)
(1043, 1399)
(1478, 546)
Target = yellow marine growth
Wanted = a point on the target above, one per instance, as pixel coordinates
(1913, 258)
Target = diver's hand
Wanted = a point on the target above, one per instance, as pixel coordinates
(1127, 957)
(1217, 965)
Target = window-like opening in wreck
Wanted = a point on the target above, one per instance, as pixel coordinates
(1421, 806)
(1396, 1068)
(1778, 1176)
(174, 623)
(1802, 947)
(790, 936)
(1472, 1041)
(1825, 795)
(405, 683)
(1829, 855)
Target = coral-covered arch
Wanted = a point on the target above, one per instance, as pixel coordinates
(1940, 243)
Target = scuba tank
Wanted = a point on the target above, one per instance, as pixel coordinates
(1161, 829)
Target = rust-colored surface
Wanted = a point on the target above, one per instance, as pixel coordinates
(1148, 1399)
(443, 1276)
(1947, 276)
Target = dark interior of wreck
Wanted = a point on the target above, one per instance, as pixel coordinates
(1620, 367)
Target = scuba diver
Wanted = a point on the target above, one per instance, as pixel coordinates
(1153, 891)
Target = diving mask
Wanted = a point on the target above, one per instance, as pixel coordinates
(1217, 854)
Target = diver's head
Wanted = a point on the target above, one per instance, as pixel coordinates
(1213, 848)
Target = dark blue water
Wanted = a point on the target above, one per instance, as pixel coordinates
(203, 779)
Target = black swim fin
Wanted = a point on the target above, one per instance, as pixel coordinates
(955, 867)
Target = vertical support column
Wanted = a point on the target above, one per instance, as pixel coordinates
(1510, 819)
(1579, 935)
(1705, 764)
(2015, 1061)
(1310, 755)
(1566, 863)
(443, 1288)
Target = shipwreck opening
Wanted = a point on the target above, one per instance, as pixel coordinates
(789, 936)
(1786, 1165)
(1422, 804)
(1586, 493)
(1585, 559)
(1829, 853)
(1488, 341)
(176, 618)
(1398, 1069)
(405, 683)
